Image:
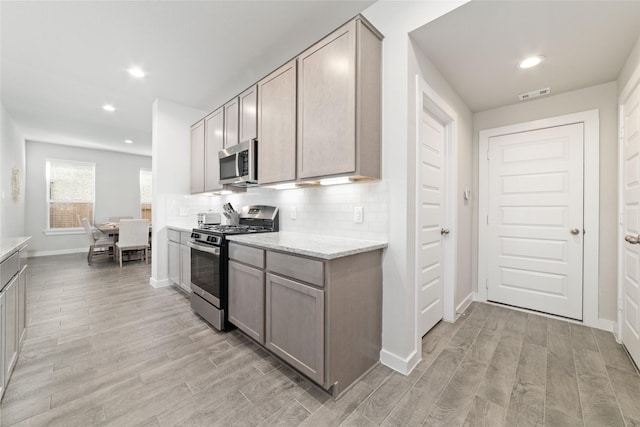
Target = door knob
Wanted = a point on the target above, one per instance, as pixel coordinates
(444, 231)
(575, 231)
(631, 239)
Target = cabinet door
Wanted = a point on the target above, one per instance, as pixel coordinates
(277, 126)
(248, 114)
(231, 117)
(174, 263)
(22, 305)
(214, 137)
(326, 109)
(295, 325)
(3, 379)
(197, 157)
(11, 327)
(185, 267)
(246, 299)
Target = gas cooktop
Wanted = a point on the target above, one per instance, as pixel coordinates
(252, 219)
(234, 229)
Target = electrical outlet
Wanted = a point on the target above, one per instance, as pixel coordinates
(294, 212)
(358, 214)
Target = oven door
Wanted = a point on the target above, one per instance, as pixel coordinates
(205, 272)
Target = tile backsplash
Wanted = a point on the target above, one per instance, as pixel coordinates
(319, 210)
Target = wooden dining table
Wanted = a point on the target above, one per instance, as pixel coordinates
(113, 229)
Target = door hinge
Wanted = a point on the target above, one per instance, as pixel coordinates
(487, 219)
(486, 284)
(487, 154)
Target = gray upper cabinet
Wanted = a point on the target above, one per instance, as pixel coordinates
(248, 126)
(339, 96)
(277, 126)
(197, 158)
(214, 137)
(231, 118)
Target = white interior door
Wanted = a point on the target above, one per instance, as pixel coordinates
(535, 221)
(631, 251)
(431, 221)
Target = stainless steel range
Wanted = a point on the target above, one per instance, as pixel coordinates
(210, 260)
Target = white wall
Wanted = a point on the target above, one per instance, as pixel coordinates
(12, 155)
(419, 63)
(395, 20)
(117, 192)
(631, 65)
(171, 154)
(604, 98)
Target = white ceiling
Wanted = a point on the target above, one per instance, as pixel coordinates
(478, 46)
(61, 61)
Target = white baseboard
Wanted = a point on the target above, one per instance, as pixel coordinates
(397, 363)
(159, 283)
(58, 252)
(605, 325)
(464, 304)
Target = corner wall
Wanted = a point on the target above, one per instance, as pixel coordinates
(171, 163)
(395, 20)
(12, 156)
(420, 64)
(604, 98)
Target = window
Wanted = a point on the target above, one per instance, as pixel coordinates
(145, 194)
(71, 193)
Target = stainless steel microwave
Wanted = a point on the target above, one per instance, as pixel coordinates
(239, 164)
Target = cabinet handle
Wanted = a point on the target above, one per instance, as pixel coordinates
(631, 239)
(444, 231)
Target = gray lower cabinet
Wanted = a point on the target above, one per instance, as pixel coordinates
(179, 258)
(295, 325)
(22, 305)
(322, 317)
(246, 299)
(10, 326)
(13, 313)
(174, 262)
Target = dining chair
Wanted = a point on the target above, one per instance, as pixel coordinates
(118, 218)
(134, 236)
(103, 243)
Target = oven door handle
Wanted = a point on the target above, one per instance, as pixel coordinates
(204, 248)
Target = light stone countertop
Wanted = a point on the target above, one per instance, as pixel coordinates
(323, 247)
(182, 227)
(9, 245)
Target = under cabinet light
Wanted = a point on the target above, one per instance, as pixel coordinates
(128, 141)
(109, 107)
(335, 181)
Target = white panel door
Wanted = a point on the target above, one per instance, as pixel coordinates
(535, 222)
(631, 252)
(431, 222)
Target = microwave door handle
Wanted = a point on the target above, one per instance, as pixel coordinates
(238, 164)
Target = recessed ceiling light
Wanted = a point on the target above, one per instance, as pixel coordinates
(137, 72)
(532, 61)
(108, 107)
(128, 141)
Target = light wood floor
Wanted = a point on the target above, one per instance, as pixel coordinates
(103, 347)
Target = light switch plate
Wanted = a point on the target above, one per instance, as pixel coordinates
(358, 214)
(184, 211)
(294, 212)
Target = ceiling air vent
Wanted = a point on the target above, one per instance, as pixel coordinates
(534, 94)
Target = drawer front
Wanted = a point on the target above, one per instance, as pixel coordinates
(247, 255)
(9, 268)
(185, 237)
(174, 235)
(305, 269)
